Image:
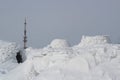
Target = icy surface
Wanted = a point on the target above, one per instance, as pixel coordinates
(91, 40)
(59, 43)
(100, 60)
(7, 51)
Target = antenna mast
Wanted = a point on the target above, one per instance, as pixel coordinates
(25, 35)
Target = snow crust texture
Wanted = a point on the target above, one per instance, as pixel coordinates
(91, 40)
(59, 43)
(99, 60)
(7, 51)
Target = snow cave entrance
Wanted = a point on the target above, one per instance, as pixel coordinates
(19, 57)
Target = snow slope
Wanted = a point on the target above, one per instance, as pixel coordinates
(95, 58)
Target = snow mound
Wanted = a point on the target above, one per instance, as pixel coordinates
(8, 51)
(92, 40)
(59, 43)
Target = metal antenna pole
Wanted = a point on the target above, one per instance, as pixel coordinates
(25, 35)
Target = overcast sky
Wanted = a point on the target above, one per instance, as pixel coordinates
(66, 19)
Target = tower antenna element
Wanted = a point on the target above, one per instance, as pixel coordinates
(25, 35)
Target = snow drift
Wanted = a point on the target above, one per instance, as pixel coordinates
(8, 51)
(95, 58)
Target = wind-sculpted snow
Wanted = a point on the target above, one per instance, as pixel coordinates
(99, 61)
(59, 43)
(8, 51)
(92, 40)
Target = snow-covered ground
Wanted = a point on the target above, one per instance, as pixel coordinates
(94, 58)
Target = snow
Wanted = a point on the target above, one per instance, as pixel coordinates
(95, 58)
(59, 43)
(7, 51)
(91, 40)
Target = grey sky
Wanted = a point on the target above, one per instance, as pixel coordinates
(67, 19)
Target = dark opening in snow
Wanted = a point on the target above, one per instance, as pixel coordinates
(19, 57)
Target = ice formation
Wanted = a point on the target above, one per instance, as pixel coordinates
(93, 59)
(59, 43)
(8, 51)
(91, 40)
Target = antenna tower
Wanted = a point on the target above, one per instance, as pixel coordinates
(25, 35)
